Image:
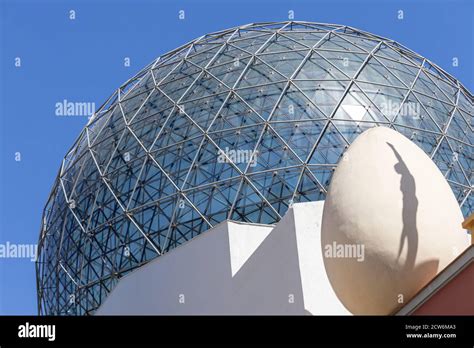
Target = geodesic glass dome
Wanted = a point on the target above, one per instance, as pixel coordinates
(236, 125)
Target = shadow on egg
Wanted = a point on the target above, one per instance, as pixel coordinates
(409, 210)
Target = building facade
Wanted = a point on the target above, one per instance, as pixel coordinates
(234, 125)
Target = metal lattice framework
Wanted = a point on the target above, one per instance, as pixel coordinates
(144, 176)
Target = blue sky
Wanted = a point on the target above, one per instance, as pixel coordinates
(83, 60)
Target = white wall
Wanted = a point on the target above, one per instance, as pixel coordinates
(236, 268)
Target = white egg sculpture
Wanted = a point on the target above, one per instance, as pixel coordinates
(390, 223)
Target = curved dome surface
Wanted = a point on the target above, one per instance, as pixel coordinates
(236, 124)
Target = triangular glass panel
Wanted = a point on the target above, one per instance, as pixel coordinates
(439, 111)
(204, 55)
(153, 185)
(156, 102)
(308, 189)
(176, 84)
(458, 128)
(262, 98)
(466, 104)
(259, 73)
(300, 136)
(404, 72)
(286, 63)
(357, 107)
(307, 38)
(176, 160)
(213, 164)
(243, 140)
(272, 153)
(187, 224)
(250, 207)
(361, 42)
(463, 154)
(155, 220)
(204, 110)
(277, 186)
(412, 114)
(234, 114)
(113, 124)
(455, 174)
(122, 180)
(347, 62)
(386, 51)
(295, 105)
(178, 128)
(98, 124)
(139, 85)
(214, 201)
(105, 208)
(325, 95)
(229, 54)
(374, 72)
(253, 44)
(330, 147)
(427, 141)
(148, 129)
(280, 43)
(161, 71)
(386, 101)
(351, 130)
(323, 174)
(206, 85)
(444, 156)
(229, 73)
(318, 68)
(424, 85)
(336, 42)
(127, 151)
